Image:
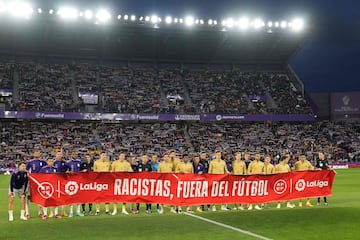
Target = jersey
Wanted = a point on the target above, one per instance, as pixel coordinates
(102, 166)
(256, 167)
(34, 166)
(165, 167)
(184, 168)
(199, 169)
(205, 163)
(48, 169)
(269, 168)
(74, 165)
(154, 166)
(218, 167)
(175, 162)
(238, 167)
(322, 164)
(282, 168)
(18, 180)
(121, 166)
(87, 166)
(60, 166)
(144, 167)
(303, 165)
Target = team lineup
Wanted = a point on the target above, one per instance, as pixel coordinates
(239, 164)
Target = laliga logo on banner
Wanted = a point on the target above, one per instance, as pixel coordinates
(280, 186)
(71, 188)
(300, 185)
(46, 190)
(346, 100)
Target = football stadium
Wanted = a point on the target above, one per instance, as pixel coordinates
(122, 125)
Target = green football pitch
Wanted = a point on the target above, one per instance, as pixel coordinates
(339, 220)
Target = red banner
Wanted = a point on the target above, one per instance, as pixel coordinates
(177, 189)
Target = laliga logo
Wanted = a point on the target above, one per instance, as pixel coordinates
(280, 186)
(71, 188)
(300, 185)
(46, 190)
(218, 117)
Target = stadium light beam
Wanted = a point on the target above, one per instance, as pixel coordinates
(168, 20)
(258, 23)
(68, 13)
(20, 9)
(51, 11)
(39, 10)
(133, 18)
(88, 14)
(210, 22)
(297, 24)
(2, 7)
(103, 16)
(126, 17)
(230, 23)
(243, 23)
(147, 19)
(283, 24)
(154, 19)
(270, 24)
(189, 21)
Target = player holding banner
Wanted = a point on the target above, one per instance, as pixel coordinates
(74, 165)
(102, 165)
(34, 166)
(283, 167)
(19, 186)
(303, 165)
(185, 167)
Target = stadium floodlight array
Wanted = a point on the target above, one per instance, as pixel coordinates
(24, 10)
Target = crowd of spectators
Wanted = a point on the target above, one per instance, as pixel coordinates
(6, 83)
(56, 87)
(44, 87)
(340, 141)
(288, 98)
(128, 90)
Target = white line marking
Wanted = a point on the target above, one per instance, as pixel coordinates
(228, 227)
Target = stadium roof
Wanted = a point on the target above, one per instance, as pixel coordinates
(143, 43)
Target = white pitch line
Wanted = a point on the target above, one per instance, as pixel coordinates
(228, 227)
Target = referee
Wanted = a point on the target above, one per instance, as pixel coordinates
(87, 165)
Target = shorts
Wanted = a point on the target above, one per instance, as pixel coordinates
(20, 191)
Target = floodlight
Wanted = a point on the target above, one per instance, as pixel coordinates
(181, 20)
(243, 23)
(126, 17)
(283, 24)
(103, 16)
(297, 24)
(88, 14)
(201, 21)
(210, 22)
(68, 13)
(51, 11)
(230, 23)
(189, 20)
(39, 10)
(258, 23)
(270, 24)
(141, 18)
(20, 9)
(2, 7)
(154, 19)
(147, 19)
(197, 21)
(119, 16)
(277, 24)
(168, 20)
(159, 19)
(215, 22)
(176, 20)
(133, 18)
(223, 23)
(81, 14)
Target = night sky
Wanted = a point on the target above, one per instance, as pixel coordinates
(329, 60)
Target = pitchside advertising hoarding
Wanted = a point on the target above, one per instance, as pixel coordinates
(177, 189)
(345, 103)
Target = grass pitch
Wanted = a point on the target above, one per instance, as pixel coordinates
(337, 221)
